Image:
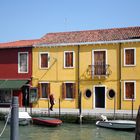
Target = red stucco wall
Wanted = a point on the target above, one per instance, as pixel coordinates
(9, 63)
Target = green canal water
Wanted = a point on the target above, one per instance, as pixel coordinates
(67, 132)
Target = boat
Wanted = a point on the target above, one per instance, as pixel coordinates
(46, 121)
(116, 124)
(24, 118)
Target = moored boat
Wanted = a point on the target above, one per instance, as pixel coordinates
(117, 124)
(46, 121)
(24, 118)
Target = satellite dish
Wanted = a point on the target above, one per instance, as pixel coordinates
(111, 94)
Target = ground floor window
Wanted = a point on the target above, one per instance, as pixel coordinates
(68, 90)
(44, 90)
(5, 96)
(129, 90)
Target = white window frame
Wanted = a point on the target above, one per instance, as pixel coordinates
(126, 65)
(73, 59)
(40, 60)
(69, 99)
(134, 90)
(19, 62)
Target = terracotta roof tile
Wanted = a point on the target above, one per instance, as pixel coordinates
(92, 35)
(20, 43)
(78, 37)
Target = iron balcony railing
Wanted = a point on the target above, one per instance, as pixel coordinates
(99, 70)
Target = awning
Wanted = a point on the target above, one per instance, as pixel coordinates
(12, 84)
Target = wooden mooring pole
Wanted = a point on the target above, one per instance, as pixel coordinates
(132, 106)
(48, 107)
(14, 123)
(114, 107)
(137, 132)
(80, 108)
(59, 108)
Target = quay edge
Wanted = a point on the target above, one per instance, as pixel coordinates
(72, 115)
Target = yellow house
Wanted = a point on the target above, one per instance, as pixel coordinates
(96, 63)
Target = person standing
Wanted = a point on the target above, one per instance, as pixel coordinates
(52, 102)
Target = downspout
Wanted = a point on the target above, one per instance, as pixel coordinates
(78, 72)
(120, 76)
(79, 93)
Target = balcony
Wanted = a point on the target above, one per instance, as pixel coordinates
(99, 71)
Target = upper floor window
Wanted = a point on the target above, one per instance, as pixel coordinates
(44, 90)
(44, 60)
(99, 62)
(129, 56)
(23, 62)
(68, 59)
(129, 90)
(68, 90)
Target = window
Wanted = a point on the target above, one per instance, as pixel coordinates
(44, 63)
(44, 90)
(129, 90)
(100, 62)
(68, 90)
(5, 96)
(23, 62)
(69, 59)
(88, 93)
(129, 57)
(33, 94)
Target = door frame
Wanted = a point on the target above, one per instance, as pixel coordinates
(95, 95)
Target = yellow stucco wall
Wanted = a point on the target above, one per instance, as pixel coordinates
(131, 73)
(57, 74)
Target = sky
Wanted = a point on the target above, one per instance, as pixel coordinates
(32, 19)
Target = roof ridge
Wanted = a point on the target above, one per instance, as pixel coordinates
(104, 29)
(19, 41)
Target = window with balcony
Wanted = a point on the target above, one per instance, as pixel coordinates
(129, 57)
(129, 90)
(68, 90)
(99, 62)
(69, 59)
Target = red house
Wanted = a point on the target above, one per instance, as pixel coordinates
(15, 70)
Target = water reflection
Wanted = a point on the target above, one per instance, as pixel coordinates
(68, 132)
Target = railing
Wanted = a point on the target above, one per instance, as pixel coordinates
(99, 70)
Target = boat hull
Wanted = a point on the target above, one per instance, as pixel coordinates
(117, 124)
(46, 121)
(23, 117)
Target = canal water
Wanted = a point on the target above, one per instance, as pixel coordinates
(67, 132)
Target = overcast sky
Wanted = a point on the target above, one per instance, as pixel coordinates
(32, 19)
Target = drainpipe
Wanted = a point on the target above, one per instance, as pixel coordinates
(78, 71)
(79, 93)
(120, 76)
